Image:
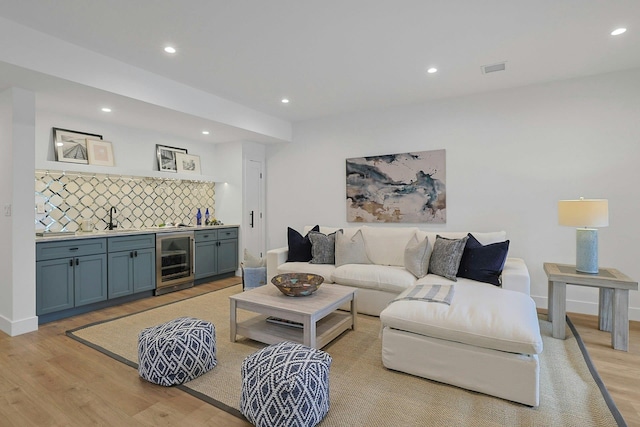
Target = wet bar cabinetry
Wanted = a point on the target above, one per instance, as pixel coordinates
(216, 253)
(70, 274)
(78, 274)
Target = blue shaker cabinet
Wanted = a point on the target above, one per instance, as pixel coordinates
(70, 274)
(216, 252)
(132, 264)
(206, 253)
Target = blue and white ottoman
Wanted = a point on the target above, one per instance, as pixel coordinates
(285, 384)
(178, 351)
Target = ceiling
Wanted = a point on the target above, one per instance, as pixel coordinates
(335, 56)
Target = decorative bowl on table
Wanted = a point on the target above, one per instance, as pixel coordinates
(297, 284)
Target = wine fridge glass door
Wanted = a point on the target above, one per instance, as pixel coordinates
(174, 259)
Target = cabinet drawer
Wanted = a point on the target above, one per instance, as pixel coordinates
(227, 233)
(206, 235)
(126, 243)
(63, 249)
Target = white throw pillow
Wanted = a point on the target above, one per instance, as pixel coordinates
(252, 261)
(385, 245)
(350, 250)
(416, 256)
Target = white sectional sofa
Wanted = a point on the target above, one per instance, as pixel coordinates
(487, 339)
(381, 281)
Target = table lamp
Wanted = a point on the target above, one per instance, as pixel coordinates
(585, 214)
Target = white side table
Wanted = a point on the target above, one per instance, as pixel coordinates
(613, 307)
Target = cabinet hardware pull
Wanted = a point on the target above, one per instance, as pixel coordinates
(73, 249)
(131, 254)
(251, 219)
(71, 262)
(77, 261)
(205, 236)
(135, 254)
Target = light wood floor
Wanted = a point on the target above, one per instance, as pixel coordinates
(48, 379)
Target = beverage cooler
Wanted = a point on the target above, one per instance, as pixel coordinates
(174, 261)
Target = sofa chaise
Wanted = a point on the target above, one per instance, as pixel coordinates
(487, 339)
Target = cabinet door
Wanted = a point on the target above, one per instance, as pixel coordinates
(206, 259)
(54, 285)
(144, 270)
(120, 274)
(227, 256)
(90, 278)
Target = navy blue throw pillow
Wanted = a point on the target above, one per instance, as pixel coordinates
(299, 247)
(483, 263)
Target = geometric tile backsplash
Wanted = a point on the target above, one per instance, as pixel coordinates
(70, 197)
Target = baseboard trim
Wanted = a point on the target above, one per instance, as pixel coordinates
(18, 327)
(583, 307)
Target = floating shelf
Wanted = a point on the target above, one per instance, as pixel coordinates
(109, 170)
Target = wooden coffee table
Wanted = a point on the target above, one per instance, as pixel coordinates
(318, 313)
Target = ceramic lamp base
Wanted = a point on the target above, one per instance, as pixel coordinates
(587, 250)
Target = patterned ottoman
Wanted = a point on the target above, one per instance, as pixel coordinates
(177, 351)
(285, 384)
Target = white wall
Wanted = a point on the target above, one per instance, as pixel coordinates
(17, 252)
(511, 155)
(6, 196)
(229, 189)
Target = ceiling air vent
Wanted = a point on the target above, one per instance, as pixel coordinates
(501, 66)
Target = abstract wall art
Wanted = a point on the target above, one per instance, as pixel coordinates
(407, 187)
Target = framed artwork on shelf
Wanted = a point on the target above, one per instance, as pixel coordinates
(71, 146)
(187, 163)
(100, 152)
(167, 157)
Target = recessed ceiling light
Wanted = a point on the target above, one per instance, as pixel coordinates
(106, 109)
(432, 70)
(205, 132)
(618, 31)
(285, 101)
(170, 49)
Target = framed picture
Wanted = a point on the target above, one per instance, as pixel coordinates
(167, 157)
(187, 163)
(71, 145)
(404, 187)
(100, 152)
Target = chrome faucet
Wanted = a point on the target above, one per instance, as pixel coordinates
(111, 212)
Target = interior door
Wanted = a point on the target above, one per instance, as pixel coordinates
(253, 230)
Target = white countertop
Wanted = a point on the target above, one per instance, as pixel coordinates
(128, 231)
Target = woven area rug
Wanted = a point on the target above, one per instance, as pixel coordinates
(363, 392)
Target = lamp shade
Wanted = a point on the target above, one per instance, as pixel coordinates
(583, 212)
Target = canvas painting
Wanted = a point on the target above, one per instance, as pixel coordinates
(407, 187)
